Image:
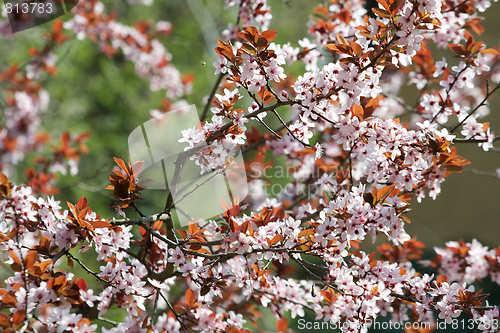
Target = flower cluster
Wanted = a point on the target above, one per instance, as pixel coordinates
(138, 45)
(26, 100)
(467, 262)
(250, 13)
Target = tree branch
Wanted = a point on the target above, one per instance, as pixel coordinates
(211, 97)
(483, 102)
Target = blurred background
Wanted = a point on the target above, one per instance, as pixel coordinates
(105, 96)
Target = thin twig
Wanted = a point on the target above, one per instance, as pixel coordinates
(290, 131)
(211, 97)
(483, 102)
(400, 102)
(471, 140)
(89, 271)
(313, 274)
(268, 128)
(177, 316)
(137, 210)
(108, 321)
(482, 173)
(448, 93)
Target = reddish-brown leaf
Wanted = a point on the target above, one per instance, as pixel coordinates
(282, 325)
(342, 40)
(4, 320)
(490, 51)
(190, 299)
(332, 47)
(183, 234)
(157, 225)
(82, 203)
(440, 279)
(16, 266)
(9, 299)
(458, 160)
(356, 48)
(261, 42)
(44, 265)
(223, 204)
(121, 164)
(137, 168)
(306, 232)
(81, 284)
(269, 35)
(407, 220)
(357, 110)
(4, 185)
(45, 244)
(276, 239)
(453, 168)
(458, 49)
(100, 224)
(29, 260)
(381, 13)
(253, 31)
(384, 192)
(69, 262)
(384, 4)
(18, 317)
(354, 244)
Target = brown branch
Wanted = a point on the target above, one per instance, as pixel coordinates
(211, 97)
(448, 93)
(475, 140)
(483, 102)
(268, 128)
(177, 316)
(88, 270)
(290, 131)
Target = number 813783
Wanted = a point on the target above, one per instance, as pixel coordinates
(29, 8)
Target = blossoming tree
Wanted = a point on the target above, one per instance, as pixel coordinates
(341, 133)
